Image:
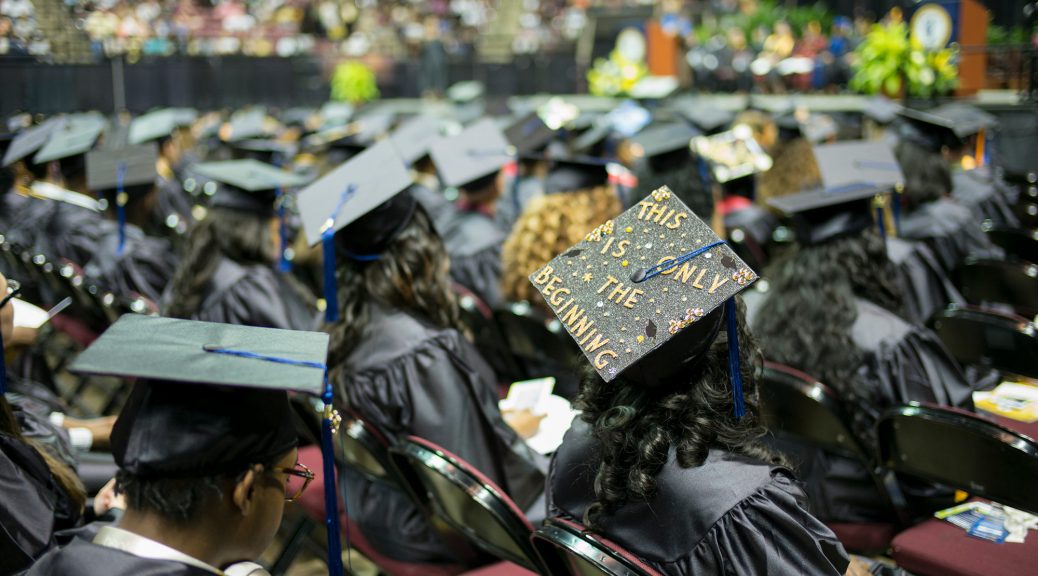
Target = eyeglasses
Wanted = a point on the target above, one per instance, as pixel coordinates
(299, 477)
(14, 288)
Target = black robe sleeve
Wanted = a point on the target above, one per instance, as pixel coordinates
(924, 284)
(255, 295)
(474, 243)
(145, 267)
(950, 231)
(977, 191)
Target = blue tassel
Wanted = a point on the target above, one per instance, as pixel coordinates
(331, 502)
(734, 369)
(882, 224)
(284, 264)
(120, 207)
(704, 173)
(331, 299)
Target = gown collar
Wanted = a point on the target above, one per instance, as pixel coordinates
(119, 539)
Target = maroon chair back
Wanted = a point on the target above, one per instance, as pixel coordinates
(961, 450)
(467, 501)
(569, 549)
(1019, 243)
(990, 339)
(365, 449)
(992, 281)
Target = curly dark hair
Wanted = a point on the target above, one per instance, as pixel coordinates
(927, 175)
(239, 236)
(817, 285)
(636, 426)
(413, 274)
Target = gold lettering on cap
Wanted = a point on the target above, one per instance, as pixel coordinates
(601, 359)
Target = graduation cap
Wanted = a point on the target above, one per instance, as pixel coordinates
(153, 126)
(267, 149)
(75, 136)
(823, 215)
(645, 294)
(881, 110)
(732, 154)
(663, 138)
(114, 168)
(414, 137)
(629, 118)
(654, 88)
(571, 174)
(465, 92)
(249, 185)
(529, 134)
(245, 125)
(184, 116)
(371, 127)
(30, 140)
(704, 116)
(336, 113)
(945, 126)
(858, 162)
(477, 151)
(357, 209)
(211, 398)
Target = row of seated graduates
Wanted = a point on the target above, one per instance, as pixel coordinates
(473, 204)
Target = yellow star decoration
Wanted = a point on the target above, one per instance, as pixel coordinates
(587, 278)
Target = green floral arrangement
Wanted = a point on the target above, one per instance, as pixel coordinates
(891, 62)
(354, 82)
(615, 76)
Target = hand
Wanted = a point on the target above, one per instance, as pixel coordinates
(859, 567)
(106, 499)
(525, 423)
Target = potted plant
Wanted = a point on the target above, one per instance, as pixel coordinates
(890, 62)
(353, 82)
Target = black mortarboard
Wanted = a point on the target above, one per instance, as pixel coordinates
(477, 151)
(248, 185)
(820, 216)
(704, 116)
(414, 137)
(75, 136)
(30, 140)
(571, 174)
(247, 124)
(206, 401)
(947, 125)
(858, 162)
(965, 119)
(645, 294)
(881, 110)
(818, 128)
(153, 126)
(529, 134)
(336, 113)
(358, 209)
(660, 138)
(600, 129)
(732, 154)
(129, 167)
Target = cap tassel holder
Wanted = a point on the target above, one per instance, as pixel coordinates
(120, 206)
(331, 309)
(734, 364)
(329, 426)
(284, 264)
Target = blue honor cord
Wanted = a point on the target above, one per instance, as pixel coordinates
(331, 299)
(284, 264)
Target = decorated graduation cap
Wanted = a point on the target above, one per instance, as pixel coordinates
(30, 140)
(822, 215)
(529, 134)
(74, 137)
(153, 126)
(210, 398)
(644, 295)
(478, 151)
(732, 154)
(248, 185)
(356, 211)
(122, 175)
(415, 136)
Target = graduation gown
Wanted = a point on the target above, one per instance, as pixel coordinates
(255, 295)
(925, 286)
(435, 204)
(55, 229)
(408, 377)
(474, 243)
(515, 200)
(902, 363)
(145, 267)
(732, 515)
(83, 558)
(978, 192)
(951, 231)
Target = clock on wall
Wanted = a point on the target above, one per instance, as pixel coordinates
(932, 26)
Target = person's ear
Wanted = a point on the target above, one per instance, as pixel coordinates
(245, 490)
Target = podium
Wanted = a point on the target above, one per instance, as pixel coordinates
(965, 22)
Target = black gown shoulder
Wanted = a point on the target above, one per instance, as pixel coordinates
(408, 377)
(474, 241)
(951, 232)
(145, 267)
(255, 295)
(732, 515)
(979, 193)
(82, 558)
(925, 286)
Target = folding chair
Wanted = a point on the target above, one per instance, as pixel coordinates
(799, 406)
(468, 501)
(961, 450)
(986, 338)
(1019, 243)
(991, 281)
(569, 549)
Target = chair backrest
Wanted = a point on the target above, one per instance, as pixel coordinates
(469, 502)
(1020, 243)
(1027, 212)
(533, 341)
(975, 336)
(365, 449)
(569, 549)
(798, 405)
(961, 450)
(1016, 284)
